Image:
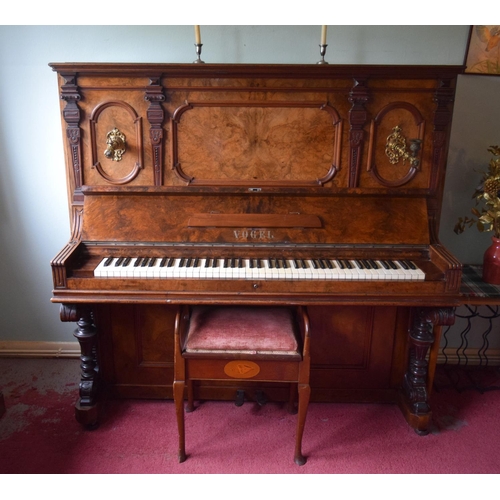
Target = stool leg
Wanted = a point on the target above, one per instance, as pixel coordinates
(179, 410)
(291, 399)
(304, 395)
(190, 403)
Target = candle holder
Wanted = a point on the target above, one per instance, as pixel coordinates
(198, 53)
(322, 51)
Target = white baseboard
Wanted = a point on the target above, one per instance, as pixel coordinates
(38, 349)
(473, 358)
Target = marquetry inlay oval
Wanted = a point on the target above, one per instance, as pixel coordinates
(241, 369)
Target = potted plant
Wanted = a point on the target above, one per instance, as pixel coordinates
(487, 216)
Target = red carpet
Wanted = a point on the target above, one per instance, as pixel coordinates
(38, 433)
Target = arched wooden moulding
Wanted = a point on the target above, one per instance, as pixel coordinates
(388, 118)
(130, 122)
(256, 143)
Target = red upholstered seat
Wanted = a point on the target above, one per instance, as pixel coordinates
(248, 330)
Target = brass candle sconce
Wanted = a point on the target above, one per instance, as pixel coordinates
(116, 145)
(395, 148)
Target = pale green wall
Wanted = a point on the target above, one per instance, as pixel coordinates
(33, 210)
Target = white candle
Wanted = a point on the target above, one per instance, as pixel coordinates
(197, 35)
(323, 35)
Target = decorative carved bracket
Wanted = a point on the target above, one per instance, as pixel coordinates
(421, 338)
(86, 334)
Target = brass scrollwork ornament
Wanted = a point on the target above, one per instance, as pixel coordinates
(395, 148)
(116, 145)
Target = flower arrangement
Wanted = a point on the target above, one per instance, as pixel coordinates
(487, 218)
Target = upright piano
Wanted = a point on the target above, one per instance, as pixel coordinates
(318, 185)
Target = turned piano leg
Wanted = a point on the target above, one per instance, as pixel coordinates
(86, 408)
(414, 397)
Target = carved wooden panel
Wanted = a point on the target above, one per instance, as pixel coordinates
(404, 121)
(122, 117)
(256, 143)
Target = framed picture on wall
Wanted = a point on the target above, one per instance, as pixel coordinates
(483, 50)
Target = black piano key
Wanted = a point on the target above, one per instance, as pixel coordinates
(144, 262)
(331, 264)
(392, 264)
(189, 261)
(182, 262)
(163, 262)
(270, 262)
(119, 262)
(278, 264)
(411, 265)
(385, 264)
(170, 262)
(341, 264)
(258, 262)
(305, 264)
(374, 264)
(348, 264)
(296, 264)
(240, 263)
(359, 264)
(108, 261)
(196, 262)
(250, 263)
(215, 263)
(152, 262)
(137, 262)
(207, 262)
(284, 263)
(403, 264)
(126, 262)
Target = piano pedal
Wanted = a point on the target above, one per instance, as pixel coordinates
(240, 397)
(260, 398)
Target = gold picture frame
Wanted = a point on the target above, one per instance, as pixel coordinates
(483, 50)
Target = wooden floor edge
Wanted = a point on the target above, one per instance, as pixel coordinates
(38, 349)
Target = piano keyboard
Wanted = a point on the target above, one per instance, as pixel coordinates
(258, 269)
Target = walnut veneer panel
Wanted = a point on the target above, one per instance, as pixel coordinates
(155, 218)
(269, 142)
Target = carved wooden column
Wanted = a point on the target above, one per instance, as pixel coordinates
(156, 115)
(415, 383)
(71, 114)
(358, 97)
(86, 410)
(444, 98)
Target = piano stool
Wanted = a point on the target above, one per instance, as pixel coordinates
(240, 343)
